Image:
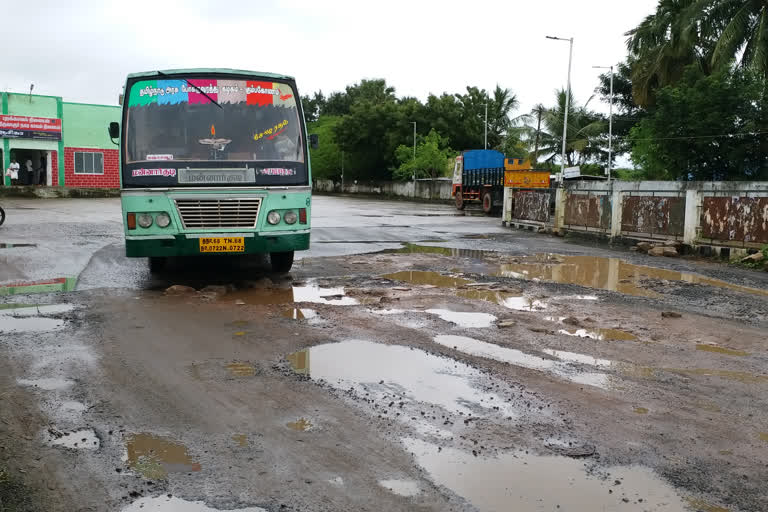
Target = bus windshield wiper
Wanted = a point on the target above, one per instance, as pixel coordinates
(193, 85)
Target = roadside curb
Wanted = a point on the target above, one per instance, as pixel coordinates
(31, 192)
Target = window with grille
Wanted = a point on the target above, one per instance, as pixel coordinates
(89, 163)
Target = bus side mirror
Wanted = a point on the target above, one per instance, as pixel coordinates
(114, 132)
(314, 141)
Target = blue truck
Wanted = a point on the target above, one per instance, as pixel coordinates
(478, 176)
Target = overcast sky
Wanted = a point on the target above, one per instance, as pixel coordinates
(83, 49)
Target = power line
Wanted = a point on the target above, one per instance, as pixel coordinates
(691, 137)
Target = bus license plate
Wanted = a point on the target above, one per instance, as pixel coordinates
(222, 244)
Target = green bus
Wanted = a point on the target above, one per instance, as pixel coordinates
(213, 161)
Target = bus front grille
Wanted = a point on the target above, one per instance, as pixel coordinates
(219, 213)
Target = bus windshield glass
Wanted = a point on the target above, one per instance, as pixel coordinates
(248, 121)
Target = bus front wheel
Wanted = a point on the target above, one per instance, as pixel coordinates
(156, 263)
(281, 261)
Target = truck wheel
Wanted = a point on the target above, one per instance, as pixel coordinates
(459, 200)
(487, 202)
(2, 216)
(281, 261)
(156, 264)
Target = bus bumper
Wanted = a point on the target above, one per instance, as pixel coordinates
(182, 245)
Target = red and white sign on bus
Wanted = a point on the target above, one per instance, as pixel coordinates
(24, 127)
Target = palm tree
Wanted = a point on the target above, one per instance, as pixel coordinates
(585, 129)
(740, 28)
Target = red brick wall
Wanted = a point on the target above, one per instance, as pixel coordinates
(54, 168)
(110, 178)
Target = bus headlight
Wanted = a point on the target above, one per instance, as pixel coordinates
(290, 217)
(273, 217)
(144, 220)
(163, 220)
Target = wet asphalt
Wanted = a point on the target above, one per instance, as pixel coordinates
(417, 358)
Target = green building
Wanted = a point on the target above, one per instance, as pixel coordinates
(65, 144)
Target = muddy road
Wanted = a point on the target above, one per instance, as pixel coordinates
(414, 359)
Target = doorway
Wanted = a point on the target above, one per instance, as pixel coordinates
(35, 166)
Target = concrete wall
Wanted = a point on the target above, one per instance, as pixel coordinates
(728, 214)
(422, 189)
(85, 125)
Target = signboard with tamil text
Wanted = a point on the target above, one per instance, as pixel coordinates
(24, 127)
(572, 172)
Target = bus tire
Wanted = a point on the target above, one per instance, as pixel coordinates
(487, 202)
(459, 200)
(156, 263)
(281, 261)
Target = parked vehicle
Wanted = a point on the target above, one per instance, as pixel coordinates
(478, 176)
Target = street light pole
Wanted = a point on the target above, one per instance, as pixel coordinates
(414, 149)
(567, 103)
(610, 122)
(485, 137)
(342, 172)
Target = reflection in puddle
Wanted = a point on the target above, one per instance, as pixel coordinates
(289, 295)
(80, 440)
(26, 318)
(427, 278)
(241, 369)
(14, 246)
(445, 251)
(541, 482)
(524, 304)
(703, 506)
(240, 439)
(303, 314)
(165, 504)
(405, 488)
(606, 274)
(600, 334)
(155, 457)
(60, 284)
(48, 384)
(721, 350)
(462, 319)
(388, 370)
(300, 425)
(557, 367)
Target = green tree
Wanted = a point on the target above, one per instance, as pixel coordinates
(704, 128)
(326, 159)
(432, 160)
(313, 106)
(586, 131)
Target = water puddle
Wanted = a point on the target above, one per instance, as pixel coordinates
(610, 274)
(419, 277)
(703, 506)
(721, 350)
(85, 439)
(462, 319)
(155, 457)
(558, 366)
(394, 370)
(407, 488)
(338, 481)
(763, 436)
(307, 293)
(408, 248)
(744, 377)
(530, 483)
(48, 384)
(14, 246)
(641, 410)
(29, 318)
(173, 504)
(310, 315)
(240, 439)
(600, 334)
(300, 425)
(241, 369)
(59, 284)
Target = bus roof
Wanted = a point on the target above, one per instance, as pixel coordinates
(210, 70)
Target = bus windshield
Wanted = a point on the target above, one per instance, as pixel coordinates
(213, 123)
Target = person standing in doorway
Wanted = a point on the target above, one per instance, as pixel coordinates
(31, 174)
(13, 172)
